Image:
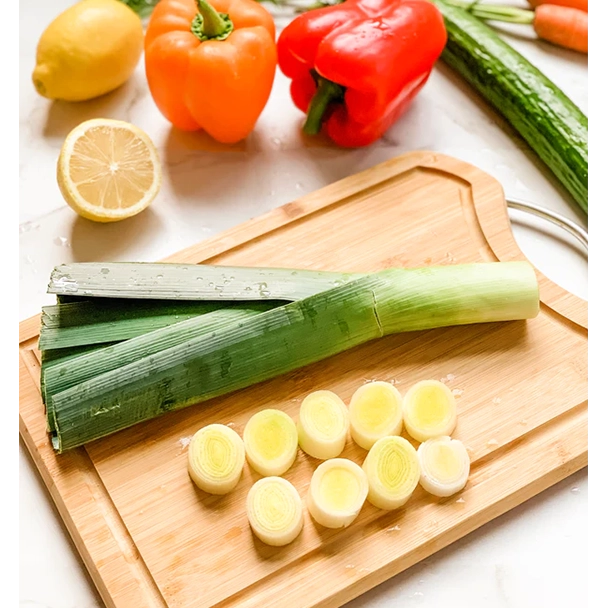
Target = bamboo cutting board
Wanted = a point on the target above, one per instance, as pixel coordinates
(151, 539)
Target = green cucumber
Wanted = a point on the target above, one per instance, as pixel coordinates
(551, 123)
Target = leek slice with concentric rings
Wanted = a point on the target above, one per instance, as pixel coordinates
(393, 472)
(444, 466)
(274, 510)
(322, 425)
(429, 410)
(271, 442)
(375, 412)
(216, 457)
(337, 491)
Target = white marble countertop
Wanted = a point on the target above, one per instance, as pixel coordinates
(533, 556)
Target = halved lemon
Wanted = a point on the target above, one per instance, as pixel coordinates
(108, 170)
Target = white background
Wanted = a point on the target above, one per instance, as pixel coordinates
(534, 556)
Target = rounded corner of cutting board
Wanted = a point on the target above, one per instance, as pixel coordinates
(491, 210)
(487, 209)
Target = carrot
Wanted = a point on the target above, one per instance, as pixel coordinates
(563, 26)
(581, 5)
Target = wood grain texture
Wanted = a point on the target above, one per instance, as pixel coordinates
(150, 538)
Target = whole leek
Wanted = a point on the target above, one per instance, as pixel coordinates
(189, 367)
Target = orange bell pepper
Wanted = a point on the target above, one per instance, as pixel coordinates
(210, 64)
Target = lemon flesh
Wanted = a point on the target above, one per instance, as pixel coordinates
(375, 412)
(271, 442)
(444, 466)
(322, 425)
(337, 491)
(274, 510)
(393, 472)
(90, 49)
(429, 410)
(216, 457)
(108, 170)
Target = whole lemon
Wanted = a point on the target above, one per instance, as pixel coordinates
(88, 50)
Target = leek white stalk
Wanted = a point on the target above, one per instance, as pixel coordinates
(375, 412)
(337, 491)
(271, 442)
(429, 410)
(322, 425)
(393, 472)
(216, 457)
(274, 510)
(444, 466)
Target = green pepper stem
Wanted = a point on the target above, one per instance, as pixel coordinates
(213, 25)
(327, 91)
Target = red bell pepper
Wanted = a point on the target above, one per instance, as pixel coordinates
(356, 66)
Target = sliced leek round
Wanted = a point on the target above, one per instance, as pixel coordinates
(429, 410)
(322, 425)
(337, 491)
(375, 412)
(216, 457)
(274, 509)
(271, 442)
(444, 466)
(393, 472)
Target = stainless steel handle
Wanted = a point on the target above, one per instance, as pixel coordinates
(555, 218)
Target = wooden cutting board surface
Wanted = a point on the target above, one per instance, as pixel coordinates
(150, 538)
